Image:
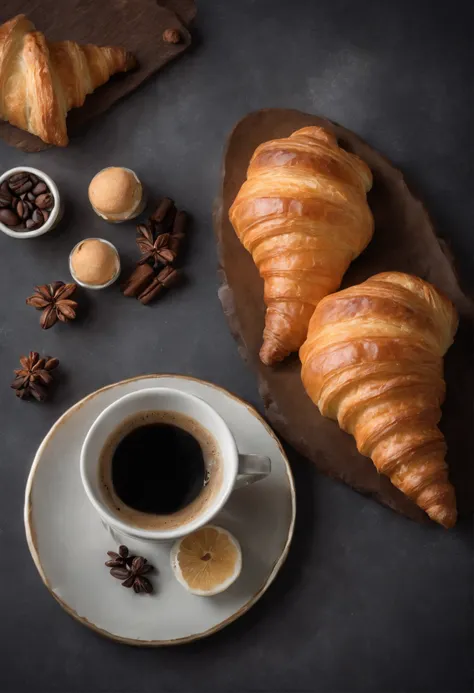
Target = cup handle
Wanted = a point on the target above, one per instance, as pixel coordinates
(252, 468)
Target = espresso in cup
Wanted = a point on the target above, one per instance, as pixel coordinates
(146, 478)
(159, 470)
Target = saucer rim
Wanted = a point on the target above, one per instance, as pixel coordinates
(31, 535)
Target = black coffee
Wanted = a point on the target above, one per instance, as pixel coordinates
(158, 468)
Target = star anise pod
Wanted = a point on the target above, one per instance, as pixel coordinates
(33, 378)
(134, 576)
(121, 559)
(154, 249)
(53, 299)
(137, 579)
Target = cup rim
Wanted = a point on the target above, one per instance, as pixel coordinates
(7, 230)
(160, 534)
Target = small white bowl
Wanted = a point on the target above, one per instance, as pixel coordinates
(95, 286)
(56, 212)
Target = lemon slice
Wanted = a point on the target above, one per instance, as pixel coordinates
(207, 561)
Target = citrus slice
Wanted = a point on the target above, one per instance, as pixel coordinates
(207, 561)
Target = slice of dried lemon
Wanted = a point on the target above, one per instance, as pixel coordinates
(207, 561)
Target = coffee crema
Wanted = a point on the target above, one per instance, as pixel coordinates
(159, 470)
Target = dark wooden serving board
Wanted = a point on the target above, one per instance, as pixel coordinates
(404, 240)
(137, 25)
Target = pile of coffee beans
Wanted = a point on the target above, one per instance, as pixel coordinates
(25, 202)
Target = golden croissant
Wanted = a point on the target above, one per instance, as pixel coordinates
(41, 81)
(373, 360)
(303, 215)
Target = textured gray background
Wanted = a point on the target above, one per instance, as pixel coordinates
(367, 601)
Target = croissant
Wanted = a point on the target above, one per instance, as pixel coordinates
(303, 215)
(373, 360)
(41, 81)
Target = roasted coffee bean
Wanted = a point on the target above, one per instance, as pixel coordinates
(32, 225)
(23, 209)
(4, 188)
(44, 201)
(38, 217)
(19, 177)
(20, 183)
(27, 196)
(27, 185)
(34, 178)
(8, 217)
(45, 215)
(40, 188)
(5, 200)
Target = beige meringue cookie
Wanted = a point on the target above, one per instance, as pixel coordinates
(116, 194)
(94, 263)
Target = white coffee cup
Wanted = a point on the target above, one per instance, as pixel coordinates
(237, 469)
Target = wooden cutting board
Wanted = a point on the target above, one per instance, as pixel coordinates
(404, 240)
(137, 25)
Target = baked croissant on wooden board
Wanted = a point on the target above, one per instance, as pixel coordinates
(373, 360)
(303, 215)
(40, 81)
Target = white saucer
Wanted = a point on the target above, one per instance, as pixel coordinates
(69, 544)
